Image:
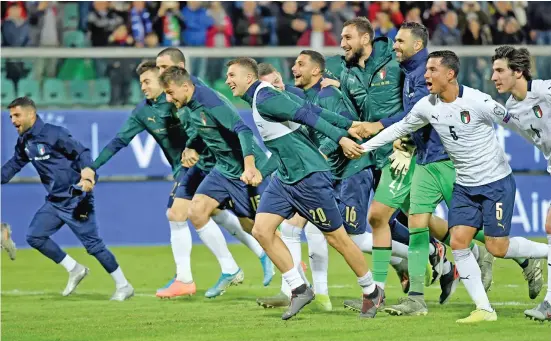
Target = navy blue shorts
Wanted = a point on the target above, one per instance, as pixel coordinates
(233, 194)
(352, 196)
(488, 206)
(312, 197)
(77, 213)
(186, 184)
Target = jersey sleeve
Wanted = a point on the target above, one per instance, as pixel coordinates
(230, 119)
(332, 99)
(14, 165)
(279, 107)
(132, 127)
(420, 90)
(543, 89)
(324, 112)
(413, 121)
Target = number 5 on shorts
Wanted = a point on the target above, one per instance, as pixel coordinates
(499, 211)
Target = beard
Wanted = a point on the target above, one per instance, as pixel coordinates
(355, 58)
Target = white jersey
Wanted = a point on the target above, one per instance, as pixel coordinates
(531, 117)
(466, 129)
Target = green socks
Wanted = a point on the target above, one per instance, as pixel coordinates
(418, 255)
(381, 259)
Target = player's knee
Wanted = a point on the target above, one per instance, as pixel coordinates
(36, 242)
(197, 214)
(176, 214)
(94, 246)
(376, 219)
(459, 242)
(261, 235)
(497, 247)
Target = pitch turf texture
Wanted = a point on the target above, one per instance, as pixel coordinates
(33, 309)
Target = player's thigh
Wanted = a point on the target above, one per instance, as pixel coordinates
(353, 199)
(465, 208)
(211, 193)
(185, 186)
(244, 199)
(85, 227)
(393, 190)
(425, 192)
(447, 175)
(314, 198)
(247, 224)
(45, 222)
(275, 201)
(498, 206)
(297, 220)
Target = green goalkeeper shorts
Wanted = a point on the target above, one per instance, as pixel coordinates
(431, 184)
(393, 190)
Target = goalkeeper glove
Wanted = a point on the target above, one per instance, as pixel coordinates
(401, 159)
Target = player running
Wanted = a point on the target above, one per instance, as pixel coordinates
(484, 191)
(302, 183)
(528, 114)
(58, 159)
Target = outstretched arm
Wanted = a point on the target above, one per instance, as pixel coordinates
(14, 165)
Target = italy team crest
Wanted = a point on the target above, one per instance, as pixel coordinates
(382, 73)
(203, 118)
(537, 111)
(465, 117)
(41, 149)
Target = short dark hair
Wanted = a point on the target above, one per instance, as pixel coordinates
(246, 62)
(147, 65)
(517, 59)
(448, 59)
(175, 54)
(419, 31)
(363, 25)
(316, 58)
(23, 102)
(265, 69)
(174, 74)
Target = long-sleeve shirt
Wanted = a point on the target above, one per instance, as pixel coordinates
(218, 123)
(467, 132)
(55, 154)
(279, 118)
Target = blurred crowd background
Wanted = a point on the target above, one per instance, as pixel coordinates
(314, 24)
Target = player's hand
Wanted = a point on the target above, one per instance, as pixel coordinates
(328, 82)
(365, 129)
(404, 144)
(86, 185)
(189, 157)
(400, 162)
(351, 149)
(88, 174)
(251, 176)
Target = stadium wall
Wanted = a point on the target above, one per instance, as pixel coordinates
(132, 194)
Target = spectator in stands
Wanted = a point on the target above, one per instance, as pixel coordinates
(468, 9)
(289, 25)
(197, 22)
(447, 34)
(539, 18)
(140, 20)
(102, 22)
(392, 7)
(414, 15)
(169, 23)
(15, 28)
(220, 34)
(46, 30)
(120, 70)
(511, 34)
(250, 30)
(151, 40)
(313, 7)
(337, 14)
(433, 17)
(318, 36)
(501, 10)
(476, 33)
(383, 26)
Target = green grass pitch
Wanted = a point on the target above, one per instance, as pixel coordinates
(33, 309)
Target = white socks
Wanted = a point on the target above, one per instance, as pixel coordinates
(180, 241)
(522, 247)
(364, 241)
(68, 263)
(229, 221)
(118, 276)
(475, 251)
(548, 295)
(290, 235)
(213, 238)
(470, 275)
(367, 284)
(319, 258)
(293, 278)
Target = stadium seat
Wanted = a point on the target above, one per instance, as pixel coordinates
(136, 94)
(70, 16)
(30, 88)
(102, 91)
(54, 92)
(80, 92)
(74, 39)
(8, 91)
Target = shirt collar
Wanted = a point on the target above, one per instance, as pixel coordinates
(460, 91)
(418, 59)
(195, 100)
(35, 129)
(159, 99)
(249, 94)
(529, 85)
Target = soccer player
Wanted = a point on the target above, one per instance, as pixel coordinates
(58, 159)
(528, 113)
(484, 191)
(7, 243)
(371, 79)
(302, 183)
(159, 118)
